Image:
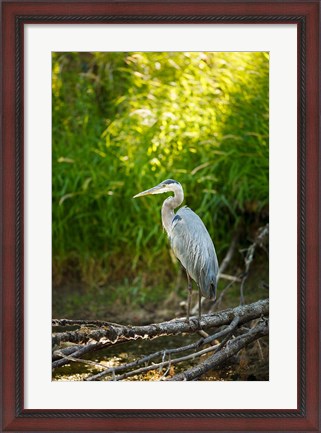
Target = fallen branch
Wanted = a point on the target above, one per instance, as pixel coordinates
(119, 333)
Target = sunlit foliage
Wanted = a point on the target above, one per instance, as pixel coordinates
(122, 122)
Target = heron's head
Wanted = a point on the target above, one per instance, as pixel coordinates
(168, 185)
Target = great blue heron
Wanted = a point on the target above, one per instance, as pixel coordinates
(190, 241)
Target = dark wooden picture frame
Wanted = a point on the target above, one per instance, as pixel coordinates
(306, 15)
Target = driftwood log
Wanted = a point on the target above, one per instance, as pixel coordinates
(232, 330)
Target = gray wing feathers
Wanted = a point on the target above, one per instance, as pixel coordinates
(194, 248)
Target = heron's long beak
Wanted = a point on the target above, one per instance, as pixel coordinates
(159, 189)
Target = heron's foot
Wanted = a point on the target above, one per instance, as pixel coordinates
(194, 322)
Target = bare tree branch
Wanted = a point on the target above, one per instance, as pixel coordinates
(229, 254)
(262, 233)
(62, 359)
(230, 349)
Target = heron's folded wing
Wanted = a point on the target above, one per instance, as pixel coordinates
(193, 246)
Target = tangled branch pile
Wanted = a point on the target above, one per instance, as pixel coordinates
(231, 330)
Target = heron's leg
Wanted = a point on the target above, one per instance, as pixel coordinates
(189, 299)
(199, 303)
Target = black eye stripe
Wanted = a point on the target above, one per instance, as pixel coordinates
(169, 181)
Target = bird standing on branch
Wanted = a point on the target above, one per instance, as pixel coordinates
(190, 241)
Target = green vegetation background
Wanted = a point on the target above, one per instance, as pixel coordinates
(123, 122)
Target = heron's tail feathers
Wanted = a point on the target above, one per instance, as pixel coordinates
(208, 287)
(212, 291)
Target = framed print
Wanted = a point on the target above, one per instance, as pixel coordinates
(71, 167)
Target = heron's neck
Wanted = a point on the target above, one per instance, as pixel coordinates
(168, 207)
